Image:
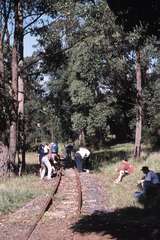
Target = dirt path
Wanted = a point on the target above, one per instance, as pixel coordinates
(94, 203)
(58, 223)
(96, 222)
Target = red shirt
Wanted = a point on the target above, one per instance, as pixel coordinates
(125, 166)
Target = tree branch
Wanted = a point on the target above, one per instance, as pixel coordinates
(6, 17)
(36, 19)
(40, 56)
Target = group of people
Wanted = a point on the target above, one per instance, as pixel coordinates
(49, 155)
(149, 180)
(47, 159)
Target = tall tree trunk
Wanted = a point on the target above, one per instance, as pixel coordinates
(14, 94)
(13, 126)
(3, 126)
(21, 131)
(1, 52)
(82, 141)
(3, 148)
(1, 64)
(138, 135)
(4, 157)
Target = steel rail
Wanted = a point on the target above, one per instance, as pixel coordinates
(45, 206)
(79, 196)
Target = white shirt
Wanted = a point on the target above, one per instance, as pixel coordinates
(46, 149)
(152, 177)
(84, 152)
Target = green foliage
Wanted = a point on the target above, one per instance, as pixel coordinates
(92, 78)
(92, 85)
(80, 94)
(99, 118)
(79, 121)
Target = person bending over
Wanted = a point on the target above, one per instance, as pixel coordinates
(80, 157)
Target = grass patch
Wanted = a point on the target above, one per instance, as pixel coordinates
(15, 192)
(121, 195)
(111, 155)
(32, 158)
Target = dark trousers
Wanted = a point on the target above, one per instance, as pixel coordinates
(79, 162)
(86, 163)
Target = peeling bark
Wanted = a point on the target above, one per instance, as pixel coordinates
(4, 157)
(14, 94)
(138, 134)
(21, 127)
(13, 126)
(1, 63)
(82, 141)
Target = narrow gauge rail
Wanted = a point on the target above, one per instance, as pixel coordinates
(49, 201)
(45, 206)
(79, 197)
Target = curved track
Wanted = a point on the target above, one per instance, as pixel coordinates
(61, 215)
(45, 206)
(60, 209)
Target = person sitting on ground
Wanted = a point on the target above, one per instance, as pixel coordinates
(124, 169)
(150, 179)
(80, 158)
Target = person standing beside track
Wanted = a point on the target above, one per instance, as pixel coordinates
(81, 156)
(54, 150)
(45, 163)
(69, 147)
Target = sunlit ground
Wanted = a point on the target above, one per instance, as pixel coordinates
(16, 191)
(121, 195)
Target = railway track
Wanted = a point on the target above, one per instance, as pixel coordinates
(45, 206)
(56, 217)
(60, 209)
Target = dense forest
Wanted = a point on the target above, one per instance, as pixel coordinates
(90, 76)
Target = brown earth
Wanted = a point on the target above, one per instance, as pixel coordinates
(97, 221)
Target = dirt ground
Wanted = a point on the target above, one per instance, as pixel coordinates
(97, 221)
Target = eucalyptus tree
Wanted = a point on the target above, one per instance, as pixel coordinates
(93, 70)
(29, 15)
(97, 64)
(5, 9)
(151, 96)
(93, 60)
(131, 15)
(17, 19)
(1, 51)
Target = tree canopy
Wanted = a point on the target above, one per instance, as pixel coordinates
(82, 77)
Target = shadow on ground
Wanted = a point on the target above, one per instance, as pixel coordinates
(124, 224)
(32, 169)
